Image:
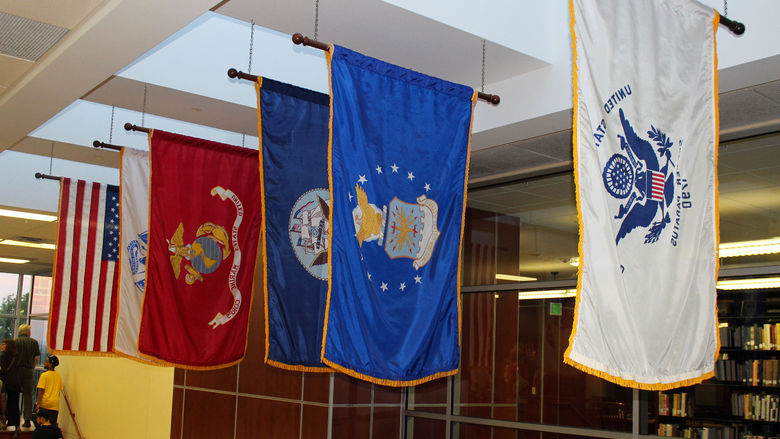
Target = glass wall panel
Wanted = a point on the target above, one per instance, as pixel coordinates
(38, 331)
(749, 198)
(522, 231)
(512, 367)
(429, 397)
(41, 295)
(471, 431)
(9, 285)
(421, 428)
(7, 327)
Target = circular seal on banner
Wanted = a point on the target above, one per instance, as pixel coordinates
(618, 176)
(309, 230)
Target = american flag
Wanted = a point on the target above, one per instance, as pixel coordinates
(83, 311)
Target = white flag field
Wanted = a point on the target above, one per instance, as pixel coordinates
(134, 176)
(645, 133)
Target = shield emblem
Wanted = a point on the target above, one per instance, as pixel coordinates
(404, 230)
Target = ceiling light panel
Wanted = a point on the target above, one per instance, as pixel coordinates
(27, 215)
(14, 261)
(42, 245)
(27, 39)
(749, 248)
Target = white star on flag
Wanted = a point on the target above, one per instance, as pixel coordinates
(394, 168)
(417, 279)
(403, 286)
(410, 176)
(427, 187)
(369, 276)
(362, 179)
(383, 287)
(378, 169)
(350, 196)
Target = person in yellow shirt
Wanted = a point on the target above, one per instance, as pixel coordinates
(49, 387)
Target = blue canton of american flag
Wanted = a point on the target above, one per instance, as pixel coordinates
(111, 225)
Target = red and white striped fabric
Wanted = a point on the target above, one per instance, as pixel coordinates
(656, 185)
(83, 300)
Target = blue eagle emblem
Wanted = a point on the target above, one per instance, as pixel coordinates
(136, 252)
(638, 177)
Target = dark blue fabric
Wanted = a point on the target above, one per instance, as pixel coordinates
(294, 156)
(400, 142)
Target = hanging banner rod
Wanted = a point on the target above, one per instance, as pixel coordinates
(306, 41)
(298, 38)
(131, 127)
(47, 176)
(734, 26)
(99, 144)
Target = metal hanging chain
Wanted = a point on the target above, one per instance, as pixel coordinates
(111, 128)
(316, 17)
(243, 138)
(483, 66)
(251, 44)
(725, 8)
(51, 157)
(143, 109)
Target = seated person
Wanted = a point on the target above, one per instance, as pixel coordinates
(44, 429)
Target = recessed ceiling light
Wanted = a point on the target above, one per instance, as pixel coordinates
(14, 261)
(514, 277)
(748, 284)
(27, 215)
(28, 244)
(749, 248)
(573, 261)
(546, 294)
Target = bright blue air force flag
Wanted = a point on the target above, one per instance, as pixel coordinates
(398, 166)
(296, 203)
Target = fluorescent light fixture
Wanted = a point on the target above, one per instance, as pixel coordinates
(27, 215)
(748, 284)
(42, 245)
(14, 261)
(514, 277)
(546, 294)
(749, 248)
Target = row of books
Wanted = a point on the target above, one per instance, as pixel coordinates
(675, 404)
(755, 406)
(763, 372)
(755, 337)
(720, 432)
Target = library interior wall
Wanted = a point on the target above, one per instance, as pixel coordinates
(115, 397)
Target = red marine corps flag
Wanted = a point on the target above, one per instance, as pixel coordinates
(204, 222)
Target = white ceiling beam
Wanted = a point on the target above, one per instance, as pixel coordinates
(111, 37)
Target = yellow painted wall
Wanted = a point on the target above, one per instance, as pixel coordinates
(115, 398)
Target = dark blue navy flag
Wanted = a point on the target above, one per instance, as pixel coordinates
(296, 203)
(398, 165)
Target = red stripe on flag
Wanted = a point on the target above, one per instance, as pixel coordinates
(75, 267)
(114, 307)
(99, 309)
(657, 186)
(54, 312)
(93, 228)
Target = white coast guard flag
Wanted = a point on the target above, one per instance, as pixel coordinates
(135, 229)
(645, 137)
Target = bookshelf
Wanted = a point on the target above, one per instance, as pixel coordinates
(742, 401)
